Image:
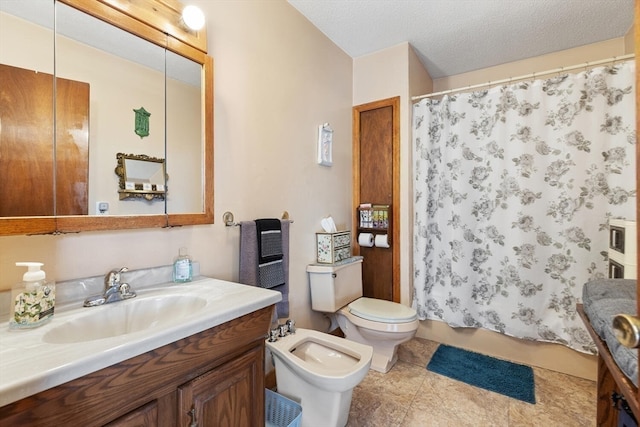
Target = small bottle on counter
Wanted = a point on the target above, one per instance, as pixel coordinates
(182, 270)
(33, 299)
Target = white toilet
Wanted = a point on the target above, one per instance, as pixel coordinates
(319, 371)
(336, 289)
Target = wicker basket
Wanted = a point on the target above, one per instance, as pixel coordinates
(280, 411)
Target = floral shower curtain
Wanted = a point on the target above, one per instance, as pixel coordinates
(514, 187)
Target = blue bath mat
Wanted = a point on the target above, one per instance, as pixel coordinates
(510, 379)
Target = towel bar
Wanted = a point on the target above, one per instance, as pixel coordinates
(228, 219)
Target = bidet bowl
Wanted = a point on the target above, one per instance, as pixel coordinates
(326, 361)
(320, 371)
(125, 317)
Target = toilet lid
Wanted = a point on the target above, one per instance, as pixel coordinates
(383, 311)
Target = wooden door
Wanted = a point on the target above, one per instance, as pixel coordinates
(28, 152)
(231, 395)
(376, 168)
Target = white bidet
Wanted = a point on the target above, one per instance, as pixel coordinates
(319, 371)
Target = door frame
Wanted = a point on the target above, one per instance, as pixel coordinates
(394, 103)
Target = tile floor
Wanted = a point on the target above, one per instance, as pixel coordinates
(411, 396)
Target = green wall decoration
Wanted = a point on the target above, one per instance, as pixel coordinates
(142, 122)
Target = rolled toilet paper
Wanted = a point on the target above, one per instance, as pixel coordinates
(365, 239)
(382, 241)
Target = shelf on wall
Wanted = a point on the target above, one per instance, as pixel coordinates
(372, 217)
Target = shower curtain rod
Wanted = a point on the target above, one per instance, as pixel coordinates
(526, 76)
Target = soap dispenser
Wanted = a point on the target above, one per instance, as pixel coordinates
(182, 268)
(33, 299)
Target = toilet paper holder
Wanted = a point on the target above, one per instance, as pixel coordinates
(374, 240)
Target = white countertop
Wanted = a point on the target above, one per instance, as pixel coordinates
(29, 365)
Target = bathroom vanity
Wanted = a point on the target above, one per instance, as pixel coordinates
(207, 368)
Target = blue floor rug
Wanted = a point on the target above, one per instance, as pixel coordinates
(500, 376)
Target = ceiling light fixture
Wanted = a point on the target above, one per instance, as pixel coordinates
(193, 17)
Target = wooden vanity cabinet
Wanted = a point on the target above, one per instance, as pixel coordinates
(216, 376)
(145, 416)
(219, 397)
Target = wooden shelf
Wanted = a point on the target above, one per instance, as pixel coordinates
(376, 219)
(373, 230)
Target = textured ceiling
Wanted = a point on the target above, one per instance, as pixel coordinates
(456, 36)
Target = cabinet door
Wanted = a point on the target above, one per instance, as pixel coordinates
(231, 395)
(145, 416)
(28, 152)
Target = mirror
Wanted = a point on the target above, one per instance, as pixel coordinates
(173, 83)
(184, 133)
(26, 60)
(141, 176)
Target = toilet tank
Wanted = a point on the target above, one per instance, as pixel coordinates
(335, 285)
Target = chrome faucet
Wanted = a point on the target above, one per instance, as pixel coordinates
(289, 327)
(114, 290)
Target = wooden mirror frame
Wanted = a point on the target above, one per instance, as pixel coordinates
(159, 22)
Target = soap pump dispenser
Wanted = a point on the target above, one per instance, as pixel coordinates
(182, 267)
(33, 299)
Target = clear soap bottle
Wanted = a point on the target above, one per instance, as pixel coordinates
(32, 300)
(182, 269)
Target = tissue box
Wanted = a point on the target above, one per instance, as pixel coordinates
(333, 247)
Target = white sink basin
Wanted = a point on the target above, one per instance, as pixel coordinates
(80, 340)
(125, 317)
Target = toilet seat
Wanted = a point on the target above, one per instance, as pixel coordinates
(383, 326)
(377, 310)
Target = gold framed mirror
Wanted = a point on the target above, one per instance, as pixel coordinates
(158, 22)
(141, 177)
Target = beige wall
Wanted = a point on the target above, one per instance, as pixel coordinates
(392, 72)
(33, 52)
(276, 79)
(563, 58)
(630, 41)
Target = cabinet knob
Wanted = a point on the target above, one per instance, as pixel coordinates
(627, 330)
(192, 414)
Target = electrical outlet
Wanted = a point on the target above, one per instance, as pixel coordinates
(102, 208)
